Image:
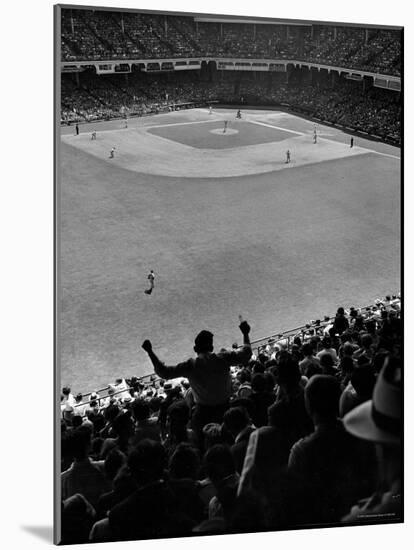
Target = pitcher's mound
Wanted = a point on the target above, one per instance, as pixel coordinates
(228, 132)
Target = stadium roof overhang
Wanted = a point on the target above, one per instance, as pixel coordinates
(238, 20)
(243, 63)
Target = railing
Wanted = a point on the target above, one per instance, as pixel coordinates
(260, 344)
(150, 377)
(288, 335)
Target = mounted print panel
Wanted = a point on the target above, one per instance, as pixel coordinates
(228, 274)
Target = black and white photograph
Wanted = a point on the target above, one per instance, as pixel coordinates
(228, 273)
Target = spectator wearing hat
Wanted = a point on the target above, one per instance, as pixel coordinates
(379, 421)
(208, 375)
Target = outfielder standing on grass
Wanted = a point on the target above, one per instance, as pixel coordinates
(287, 157)
(151, 278)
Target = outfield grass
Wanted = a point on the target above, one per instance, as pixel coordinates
(280, 245)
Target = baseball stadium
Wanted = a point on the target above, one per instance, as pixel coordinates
(240, 177)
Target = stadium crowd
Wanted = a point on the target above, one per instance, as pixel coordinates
(374, 111)
(301, 430)
(100, 35)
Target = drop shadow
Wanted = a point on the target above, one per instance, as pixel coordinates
(44, 533)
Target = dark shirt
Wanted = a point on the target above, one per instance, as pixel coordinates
(328, 468)
(239, 448)
(187, 494)
(150, 512)
(340, 324)
(296, 421)
(146, 429)
(309, 366)
(208, 374)
(260, 404)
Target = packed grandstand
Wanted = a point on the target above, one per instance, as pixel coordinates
(345, 75)
(143, 458)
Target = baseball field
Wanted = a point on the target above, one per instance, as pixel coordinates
(227, 226)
